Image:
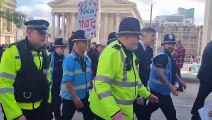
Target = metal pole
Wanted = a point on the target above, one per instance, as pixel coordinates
(151, 15)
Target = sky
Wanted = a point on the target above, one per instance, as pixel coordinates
(39, 9)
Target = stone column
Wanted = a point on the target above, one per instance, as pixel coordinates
(67, 26)
(207, 29)
(111, 19)
(63, 26)
(72, 22)
(53, 27)
(58, 25)
(106, 25)
(117, 21)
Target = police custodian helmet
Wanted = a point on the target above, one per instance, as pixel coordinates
(169, 38)
(129, 25)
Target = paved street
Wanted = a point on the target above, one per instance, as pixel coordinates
(183, 104)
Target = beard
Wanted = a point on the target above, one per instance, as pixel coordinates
(132, 48)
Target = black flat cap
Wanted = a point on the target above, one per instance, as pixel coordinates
(79, 35)
(39, 25)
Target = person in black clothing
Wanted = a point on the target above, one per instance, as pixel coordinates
(112, 37)
(144, 54)
(56, 75)
(95, 58)
(1, 51)
(91, 50)
(205, 77)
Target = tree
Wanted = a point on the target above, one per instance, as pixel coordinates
(17, 17)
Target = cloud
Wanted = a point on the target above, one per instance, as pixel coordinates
(37, 9)
(40, 9)
(168, 7)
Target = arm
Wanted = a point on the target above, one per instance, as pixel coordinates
(180, 82)
(7, 79)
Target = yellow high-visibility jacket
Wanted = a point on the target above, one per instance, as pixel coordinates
(9, 66)
(115, 89)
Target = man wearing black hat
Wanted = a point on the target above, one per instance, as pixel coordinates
(163, 79)
(148, 36)
(117, 82)
(56, 75)
(112, 37)
(24, 86)
(76, 80)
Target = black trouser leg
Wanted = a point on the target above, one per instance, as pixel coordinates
(204, 91)
(68, 109)
(57, 114)
(97, 117)
(56, 102)
(150, 108)
(178, 72)
(36, 114)
(167, 107)
(86, 111)
(140, 110)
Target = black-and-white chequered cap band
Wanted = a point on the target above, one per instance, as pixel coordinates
(37, 26)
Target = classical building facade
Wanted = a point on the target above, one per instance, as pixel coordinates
(207, 30)
(7, 28)
(190, 36)
(65, 17)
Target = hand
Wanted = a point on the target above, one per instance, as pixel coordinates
(119, 116)
(153, 99)
(210, 114)
(77, 102)
(182, 84)
(174, 90)
(21, 118)
(140, 101)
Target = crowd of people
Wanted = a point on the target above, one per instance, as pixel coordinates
(104, 82)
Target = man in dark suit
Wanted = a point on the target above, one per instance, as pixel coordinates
(144, 54)
(205, 76)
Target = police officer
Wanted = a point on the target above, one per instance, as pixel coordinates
(24, 88)
(111, 37)
(56, 75)
(117, 83)
(76, 80)
(162, 80)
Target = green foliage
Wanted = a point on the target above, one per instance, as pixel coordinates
(17, 17)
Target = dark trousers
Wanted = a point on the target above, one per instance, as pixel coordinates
(37, 114)
(165, 104)
(56, 102)
(97, 117)
(140, 110)
(178, 72)
(69, 109)
(204, 90)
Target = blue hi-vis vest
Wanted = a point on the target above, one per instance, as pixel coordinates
(72, 72)
(154, 82)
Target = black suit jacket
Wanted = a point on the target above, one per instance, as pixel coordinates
(205, 71)
(144, 59)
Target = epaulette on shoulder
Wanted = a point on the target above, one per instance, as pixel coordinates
(116, 46)
(16, 43)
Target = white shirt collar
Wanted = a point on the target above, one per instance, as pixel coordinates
(143, 45)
